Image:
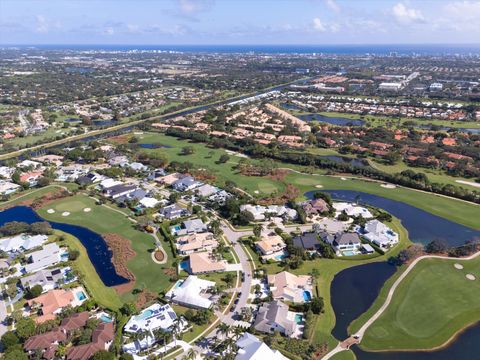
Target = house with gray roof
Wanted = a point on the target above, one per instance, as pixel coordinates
(307, 241)
(275, 317)
(41, 259)
(172, 211)
(48, 279)
(186, 183)
(346, 242)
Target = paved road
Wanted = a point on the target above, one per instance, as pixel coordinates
(232, 236)
(357, 337)
(3, 316)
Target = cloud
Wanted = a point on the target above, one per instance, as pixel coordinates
(109, 31)
(42, 24)
(332, 5)
(318, 25)
(405, 15)
(190, 9)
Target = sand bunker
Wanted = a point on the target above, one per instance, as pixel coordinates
(318, 186)
(50, 211)
(470, 277)
(342, 178)
(257, 192)
(388, 186)
(458, 266)
(66, 213)
(87, 209)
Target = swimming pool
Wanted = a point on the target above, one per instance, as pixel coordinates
(281, 257)
(306, 295)
(348, 253)
(81, 295)
(144, 315)
(184, 265)
(105, 318)
(178, 284)
(298, 318)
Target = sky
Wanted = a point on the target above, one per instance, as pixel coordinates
(168, 22)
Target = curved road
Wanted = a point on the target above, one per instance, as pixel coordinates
(357, 337)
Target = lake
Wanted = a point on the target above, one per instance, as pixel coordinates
(340, 121)
(422, 226)
(354, 290)
(98, 251)
(153, 146)
(345, 160)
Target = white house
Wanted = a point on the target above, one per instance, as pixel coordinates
(380, 234)
(41, 259)
(352, 210)
(154, 317)
(251, 348)
(22, 242)
(191, 292)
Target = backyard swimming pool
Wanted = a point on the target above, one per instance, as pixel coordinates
(81, 295)
(306, 295)
(298, 318)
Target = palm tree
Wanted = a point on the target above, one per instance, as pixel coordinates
(191, 354)
(237, 332)
(223, 329)
(176, 328)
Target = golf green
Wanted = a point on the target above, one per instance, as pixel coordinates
(432, 304)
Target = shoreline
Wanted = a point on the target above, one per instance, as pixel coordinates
(443, 346)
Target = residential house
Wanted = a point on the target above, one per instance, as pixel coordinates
(22, 242)
(156, 316)
(251, 348)
(191, 292)
(205, 262)
(186, 183)
(352, 210)
(191, 243)
(380, 234)
(271, 244)
(119, 190)
(41, 259)
(290, 287)
(48, 279)
(206, 190)
(102, 339)
(189, 227)
(46, 344)
(346, 242)
(308, 241)
(169, 179)
(173, 211)
(7, 187)
(315, 207)
(52, 302)
(275, 317)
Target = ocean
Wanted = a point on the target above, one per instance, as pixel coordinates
(426, 49)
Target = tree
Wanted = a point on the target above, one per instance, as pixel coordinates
(34, 291)
(16, 354)
(223, 329)
(128, 308)
(316, 305)
(257, 230)
(9, 339)
(187, 150)
(126, 356)
(223, 159)
(73, 255)
(103, 355)
(41, 227)
(25, 328)
(436, 246)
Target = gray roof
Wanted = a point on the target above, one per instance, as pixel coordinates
(42, 277)
(274, 312)
(307, 241)
(347, 238)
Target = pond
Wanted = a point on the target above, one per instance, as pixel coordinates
(340, 121)
(345, 160)
(153, 146)
(354, 290)
(422, 226)
(289, 106)
(110, 122)
(98, 251)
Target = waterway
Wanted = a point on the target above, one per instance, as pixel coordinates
(345, 160)
(97, 249)
(340, 121)
(354, 290)
(422, 227)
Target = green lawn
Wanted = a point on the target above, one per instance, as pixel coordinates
(104, 220)
(344, 355)
(104, 295)
(206, 158)
(432, 303)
